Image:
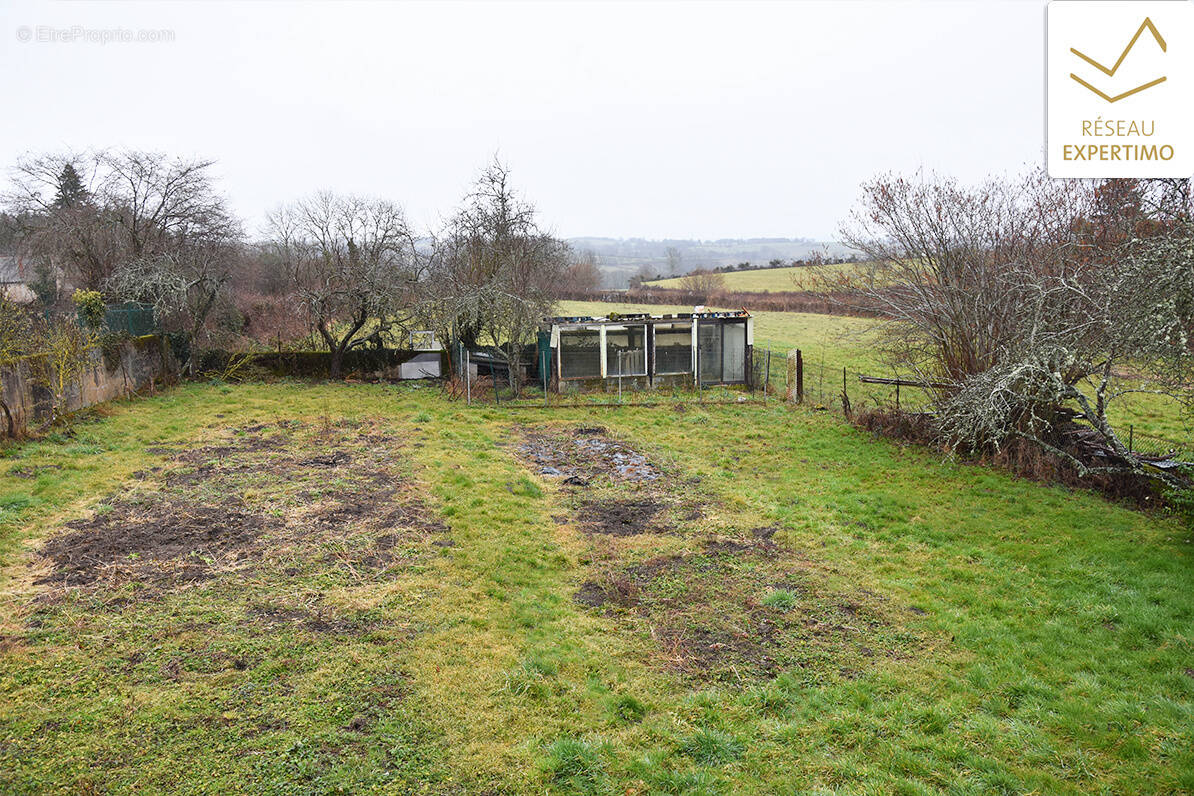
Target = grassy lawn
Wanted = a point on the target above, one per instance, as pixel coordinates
(359, 588)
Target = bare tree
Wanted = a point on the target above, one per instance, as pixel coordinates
(1086, 340)
(1028, 302)
(17, 340)
(937, 255)
(496, 273)
(1170, 199)
(642, 276)
(353, 266)
(88, 214)
(582, 275)
(675, 261)
(183, 285)
(705, 283)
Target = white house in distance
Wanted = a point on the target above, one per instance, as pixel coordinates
(14, 280)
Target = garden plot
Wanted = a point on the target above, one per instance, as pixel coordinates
(744, 610)
(240, 505)
(719, 603)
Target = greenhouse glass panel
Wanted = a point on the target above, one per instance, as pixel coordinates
(673, 349)
(626, 351)
(580, 354)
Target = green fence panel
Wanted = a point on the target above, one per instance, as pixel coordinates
(131, 317)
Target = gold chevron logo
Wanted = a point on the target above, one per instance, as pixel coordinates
(1148, 25)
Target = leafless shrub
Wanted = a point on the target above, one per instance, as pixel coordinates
(1027, 300)
(916, 428)
(704, 283)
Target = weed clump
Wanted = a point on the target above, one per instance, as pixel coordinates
(575, 764)
(531, 678)
(660, 778)
(712, 747)
(628, 710)
(780, 599)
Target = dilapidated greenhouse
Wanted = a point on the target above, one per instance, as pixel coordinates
(645, 351)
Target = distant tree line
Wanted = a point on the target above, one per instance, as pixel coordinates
(348, 271)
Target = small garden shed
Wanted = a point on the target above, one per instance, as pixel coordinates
(649, 350)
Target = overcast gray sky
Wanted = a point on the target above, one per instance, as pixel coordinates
(693, 120)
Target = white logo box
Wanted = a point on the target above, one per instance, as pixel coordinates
(1111, 114)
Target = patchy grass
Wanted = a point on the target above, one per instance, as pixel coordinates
(396, 598)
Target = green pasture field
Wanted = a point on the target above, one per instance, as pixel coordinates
(771, 279)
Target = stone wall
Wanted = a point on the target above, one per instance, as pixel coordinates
(134, 365)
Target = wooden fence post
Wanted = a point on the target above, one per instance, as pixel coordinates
(767, 377)
(845, 396)
(799, 376)
(795, 389)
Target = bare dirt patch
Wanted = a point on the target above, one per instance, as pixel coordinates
(614, 490)
(587, 454)
(261, 493)
(618, 517)
(714, 614)
(159, 541)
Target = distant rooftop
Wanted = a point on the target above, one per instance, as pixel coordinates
(11, 271)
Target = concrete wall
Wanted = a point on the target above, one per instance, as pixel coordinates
(135, 365)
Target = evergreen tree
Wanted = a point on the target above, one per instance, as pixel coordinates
(70, 188)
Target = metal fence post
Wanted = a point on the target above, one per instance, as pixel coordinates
(468, 379)
(620, 376)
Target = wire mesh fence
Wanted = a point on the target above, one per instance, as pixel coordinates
(820, 382)
(1152, 446)
(836, 387)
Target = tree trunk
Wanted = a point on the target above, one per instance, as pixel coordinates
(337, 362)
(11, 425)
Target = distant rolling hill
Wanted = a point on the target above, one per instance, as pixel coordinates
(621, 258)
(770, 279)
